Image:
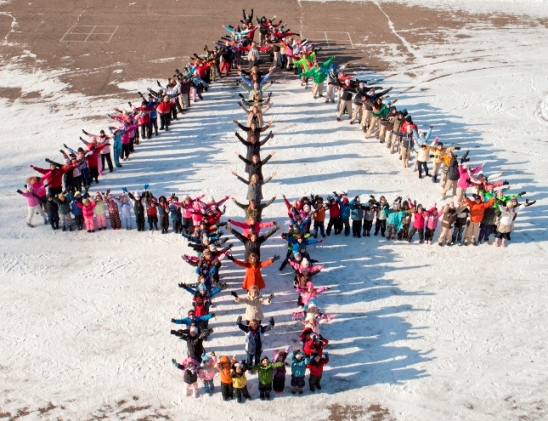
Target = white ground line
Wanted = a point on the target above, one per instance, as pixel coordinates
(90, 33)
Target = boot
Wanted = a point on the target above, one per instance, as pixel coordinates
(262, 396)
(496, 243)
(434, 179)
(294, 390)
(503, 244)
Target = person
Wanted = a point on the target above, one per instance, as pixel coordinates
(449, 219)
(52, 209)
(254, 191)
(356, 215)
(194, 340)
(335, 222)
(252, 242)
(189, 367)
(315, 365)
(431, 223)
(224, 367)
(298, 369)
(206, 372)
(279, 355)
(100, 215)
(63, 204)
(266, 375)
(239, 381)
(253, 267)
(254, 303)
(477, 209)
(254, 338)
(87, 206)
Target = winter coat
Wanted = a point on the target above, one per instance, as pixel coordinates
(100, 207)
(253, 274)
(345, 208)
(32, 200)
(449, 218)
(224, 371)
(255, 190)
(489, 216)
(316, 368)
(253, 247)
(195, 344)
(266, 372)
(64, 205)
(394, 217)
(432, 221)
(356, 211)
(462, 216)
(254, 338)
(239, 381)
(298, 368)
(87, 211)
(477, 209)
(334, 209)
(506, 221)
(419, 220)
(253, 308)
(207, 372)
(453, 172)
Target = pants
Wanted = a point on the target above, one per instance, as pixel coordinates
(208, 386)
(140, 222)
(358, 112)
(227, 390)
(265, 387)
(429, 234)
(106, 157)
(367, 225)
(503, 235)
(457, 234)
(66, 221)
(164, 222)
(366, 118)
(94, 173)
(191, 389)
(380, 225)
(278, 384)
(405, 154)
(391, 231)
(165, 120)
(126, 221)
(154, 122)
(101, 220)
(345, 105)
(448, 185)
(53, 219)
(471, 231)
(90, 224)
(334, 222)
(177, 226)
(241, 392)
(125, 150)
(413, 231)
(423, 166)
(357, 228)
(375, 121)
(319, 225)
(314, 382)
(437, 166)
(152, 221)
(484, 232)
(33, 210)
(251, 357)
(445, 236)
(297, 381)
(184, 102)
(404, 232)
(174, 111)
(146, 130)
(346, 224)
(317, 89)
(79, 221)
(86, 175)
(330, 95)
(117, 155)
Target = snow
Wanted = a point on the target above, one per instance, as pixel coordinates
(421, 332)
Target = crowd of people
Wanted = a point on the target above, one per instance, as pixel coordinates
(61, 195)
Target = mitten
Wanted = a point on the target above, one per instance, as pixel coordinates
(271, 320)
(233, 293)
(172, 320)
(239, 320)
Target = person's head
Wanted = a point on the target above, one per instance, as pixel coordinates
(297, 256)
(252, 204)
(254, 178)
(252, 237)
(382, 200)
(254, 291)
(254, 324)
(255, 159)
(165, 98)
(317, 358)
(252, 138)
(239, 368)
(305, 263)
(265, 361)
(440, 146)
(193, 330)
(253, 258)
(102, 133)
(477, 198)
(420, 209)
(191, 313)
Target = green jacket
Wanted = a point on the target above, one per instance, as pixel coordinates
(266, 372)
(319, 74)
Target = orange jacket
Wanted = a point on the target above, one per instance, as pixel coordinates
(224, 371)
(477, 209)
(319, 215)
(253, 274)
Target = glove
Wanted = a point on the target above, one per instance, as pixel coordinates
(239, 319)
(124, 189)
(270, 297)
(276, 257)
(230, 257)
(83, 131)
(326, 355)
(172, 320)
(146, 186)
(457, 148)
(233, 293)
(182, 285)
(506, 183)
(522, 193)
(271, 320)
(212, 314)
(174, 362)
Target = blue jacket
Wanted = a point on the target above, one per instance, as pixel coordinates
(196, 319)
(394, 217)
(254, 339)
(298, 368)
(345, 209)
(356, 211)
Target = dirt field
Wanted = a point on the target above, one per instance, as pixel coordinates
(105, 42)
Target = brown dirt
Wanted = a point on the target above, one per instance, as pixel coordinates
(112, 41)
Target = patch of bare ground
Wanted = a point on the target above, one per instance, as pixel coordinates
(374, 412)
(46, 409)
(11, 93)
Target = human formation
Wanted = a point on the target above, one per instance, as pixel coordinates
(61, 194)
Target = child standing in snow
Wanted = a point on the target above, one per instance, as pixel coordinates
(207, 372)
(33, 206)
(432, 223)
(87, 206)
(315, 366)
(100, 214)
(224, 367)
(254, 338)
(190, 375)
(266, 372)
(298, 369)
(279, 373)
(64, 211)
(239, 381)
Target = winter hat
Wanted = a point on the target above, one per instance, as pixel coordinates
(306, 208)
(191, 312)
(77, 194)
(194, 329)
(85, 202)
(305, 262)
(371, 92)
(205, 359)
(264, 357)
(137, 195)
(345, 200)
(239, 365)
(224, 360)
(297, 255)
(312, 303)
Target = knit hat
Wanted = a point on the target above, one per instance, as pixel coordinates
(137, 195)
(264, 357)
(194, 329)
(77, 194)
(191, 312)
(311, 303)
(297, 255)
(371, 92)
(85, 202)
(299, 355)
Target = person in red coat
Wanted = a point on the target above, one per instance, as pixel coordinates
(315, 366)
(164, 109)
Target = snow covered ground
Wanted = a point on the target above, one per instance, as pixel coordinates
(421, 332)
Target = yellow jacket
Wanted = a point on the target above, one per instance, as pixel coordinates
(238, 380)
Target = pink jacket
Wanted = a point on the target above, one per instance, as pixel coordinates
(208, 371)
(432, 221)
(31, 199)
(87, 211)
(312, 269)
(39, 189)
(463, 182)
(306, 296)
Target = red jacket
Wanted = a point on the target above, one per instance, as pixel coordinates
(309, 347)
(93, 159)
(55, 177)
(317, 369)
(334, 210)
(164, 107)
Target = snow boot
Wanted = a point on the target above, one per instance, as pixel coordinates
(496, 243)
